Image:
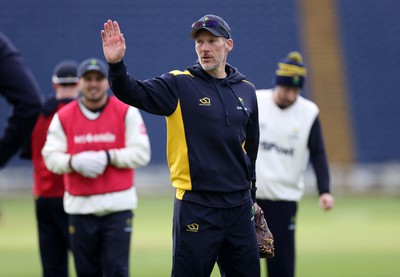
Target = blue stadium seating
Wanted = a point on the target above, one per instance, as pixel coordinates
(263, 31)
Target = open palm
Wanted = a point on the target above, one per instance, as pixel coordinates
(114, 46)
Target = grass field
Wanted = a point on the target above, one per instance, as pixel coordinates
(360, 237)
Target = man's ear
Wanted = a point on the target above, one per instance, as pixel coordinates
(229, 45)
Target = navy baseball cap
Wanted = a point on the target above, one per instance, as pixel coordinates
(212, 23)
(65, 72)
(93, 64)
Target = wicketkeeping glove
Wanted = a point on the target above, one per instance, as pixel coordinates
(89, 163)
(265, 239)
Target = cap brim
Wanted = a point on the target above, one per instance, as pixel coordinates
(93, 70)
(193, 33)
(65, 80)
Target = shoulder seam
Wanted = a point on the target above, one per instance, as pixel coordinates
(249, 83)
(179, 72)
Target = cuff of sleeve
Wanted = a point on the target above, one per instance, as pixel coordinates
(253, 192)
(116, 69)
(253, 196)
(324, 191)
(70, 168)
(108, 157)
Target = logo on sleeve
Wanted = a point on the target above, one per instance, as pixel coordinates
(71, 229)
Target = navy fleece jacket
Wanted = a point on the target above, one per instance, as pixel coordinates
(212, 129)
(20, 89)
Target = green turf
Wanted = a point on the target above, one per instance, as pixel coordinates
(360, 237)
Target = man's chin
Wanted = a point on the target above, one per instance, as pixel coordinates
(207, 67)
(94, 99)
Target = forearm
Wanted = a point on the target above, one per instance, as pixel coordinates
(252, 144)
(321, 170)
(137, 151)
(54, 151)
(57, 162)
(122, 85)
(318, 158)
(130, 157)
(16, 133)
(21, 91)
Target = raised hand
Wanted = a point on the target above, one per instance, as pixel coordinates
(114, 46)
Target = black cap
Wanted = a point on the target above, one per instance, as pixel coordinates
(93, 64)
(212, 23)
(65, 72)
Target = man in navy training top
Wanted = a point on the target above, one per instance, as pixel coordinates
(212, 143)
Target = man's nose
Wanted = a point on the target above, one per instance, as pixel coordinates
(205, 47)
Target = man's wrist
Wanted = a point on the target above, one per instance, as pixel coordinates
(70, 163)
(108, 154)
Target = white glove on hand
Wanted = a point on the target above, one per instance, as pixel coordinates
(89, 163)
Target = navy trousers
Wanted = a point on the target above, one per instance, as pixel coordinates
(201, 235)
(101, 244)
(52, 224)
(281, 219)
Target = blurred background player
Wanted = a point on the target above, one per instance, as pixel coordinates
(48, 188)
(290, 137)
(20, 89)
(97, 141)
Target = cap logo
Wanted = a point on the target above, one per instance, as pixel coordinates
(94, 65)
(290, 70)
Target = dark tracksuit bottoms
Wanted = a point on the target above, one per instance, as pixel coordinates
(281, 216)
(53, 236)
(95, 239)
(204, 234)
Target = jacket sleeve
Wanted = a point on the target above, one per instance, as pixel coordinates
(156, 96)
(20, 89)
(137, 151)
(251, 145)
(54, 151)
(49, 108)
(318, 157)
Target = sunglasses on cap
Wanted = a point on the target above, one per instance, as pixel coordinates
(211, 24)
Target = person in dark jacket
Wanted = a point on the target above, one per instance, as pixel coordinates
(48, 187)
(20, 89)
(212, 143)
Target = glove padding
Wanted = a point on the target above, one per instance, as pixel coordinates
(89, 163)
(265, 239)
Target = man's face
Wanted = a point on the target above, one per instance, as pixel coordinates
(64, 91)
(212, 52)
(93, 86)
(285, 96)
